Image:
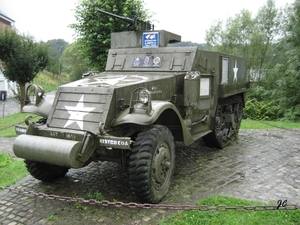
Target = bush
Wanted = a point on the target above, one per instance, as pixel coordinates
(293, 114)
(262, 110)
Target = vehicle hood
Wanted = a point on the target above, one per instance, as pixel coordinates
(115, 79)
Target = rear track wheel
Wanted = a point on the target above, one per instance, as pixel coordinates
(225, 130)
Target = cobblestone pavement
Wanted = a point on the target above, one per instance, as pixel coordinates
(261, 165)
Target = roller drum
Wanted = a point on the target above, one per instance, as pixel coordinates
(48, 150)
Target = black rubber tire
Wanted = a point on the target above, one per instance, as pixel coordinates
(223, 134)
(45, 172)
(151, 164)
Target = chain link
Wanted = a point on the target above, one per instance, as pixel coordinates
(148, 205)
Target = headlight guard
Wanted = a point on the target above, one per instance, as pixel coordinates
(141, 100)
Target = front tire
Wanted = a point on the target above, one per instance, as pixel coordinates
(45, 172)
(151, 164)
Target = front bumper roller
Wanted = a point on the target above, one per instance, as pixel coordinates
(48, 150)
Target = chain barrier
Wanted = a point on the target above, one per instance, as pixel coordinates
(279, 206)
(9, 126)
(269, 124)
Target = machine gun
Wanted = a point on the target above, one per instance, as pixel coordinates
(134, 23)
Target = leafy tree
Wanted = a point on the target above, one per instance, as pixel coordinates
(23, 58)
(93, 29)
(73, 62)
(56, 48)
(289, 82)
(234, 37)
(267, 21)
(248, 37)
(280, 83)
(272, 53)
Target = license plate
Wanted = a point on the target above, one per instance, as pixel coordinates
(115, 142)
(20, 129)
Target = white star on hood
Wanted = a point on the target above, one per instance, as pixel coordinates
(77, 113)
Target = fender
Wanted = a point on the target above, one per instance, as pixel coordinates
(43, 108)
(144, 119)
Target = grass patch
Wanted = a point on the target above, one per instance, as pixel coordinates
(97, 196)
(51, 218)
(232, 217)
(11, 169)
(11, 120)
(48, 81)
(253, 124)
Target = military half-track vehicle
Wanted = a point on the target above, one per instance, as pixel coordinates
(149, 97)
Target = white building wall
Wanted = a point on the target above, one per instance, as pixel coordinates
(6, 85)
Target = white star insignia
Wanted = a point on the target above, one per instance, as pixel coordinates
(106, 81)
(117, 80)
(235, 70)
(77, 113)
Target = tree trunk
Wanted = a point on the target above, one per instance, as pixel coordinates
(22, 96)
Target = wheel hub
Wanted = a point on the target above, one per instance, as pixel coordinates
(161, 165)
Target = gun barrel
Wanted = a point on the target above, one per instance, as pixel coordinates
(134, 24)
(127, 19)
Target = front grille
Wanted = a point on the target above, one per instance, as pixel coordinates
(80, 109)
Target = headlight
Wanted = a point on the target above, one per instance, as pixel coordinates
(34, 94)
(144, 96)
(140, 101)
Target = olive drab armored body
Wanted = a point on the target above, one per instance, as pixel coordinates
(149, 97)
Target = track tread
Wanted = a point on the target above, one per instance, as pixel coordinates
(211, 139)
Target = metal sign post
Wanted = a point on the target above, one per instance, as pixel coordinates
(3, 98)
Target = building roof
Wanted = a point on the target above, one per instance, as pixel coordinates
(5, 17)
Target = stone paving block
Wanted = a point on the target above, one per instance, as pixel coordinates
(9, 209)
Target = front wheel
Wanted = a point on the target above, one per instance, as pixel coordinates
(151, 164)
(45, 172)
